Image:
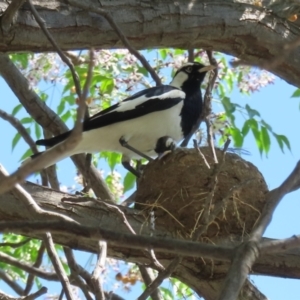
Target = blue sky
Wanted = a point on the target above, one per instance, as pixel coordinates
(276, 107)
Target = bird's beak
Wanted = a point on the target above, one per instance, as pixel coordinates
(207, 68)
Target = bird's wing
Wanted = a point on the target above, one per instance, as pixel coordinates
(140, 104)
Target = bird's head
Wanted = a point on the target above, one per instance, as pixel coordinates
(190, 76)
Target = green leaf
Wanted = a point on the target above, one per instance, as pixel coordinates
(113, 159)
(37, 130)
(254, 128)
(296, 94)
(16, 109)
(252, 112)
(265, 138)
(246, 128)
(65, 117)
(163, 53)
(61, 107)
(26, 154)
(129, 182)
(282, 140)
(237, 137)
(107, 85)
(15, 141)
(26, 120)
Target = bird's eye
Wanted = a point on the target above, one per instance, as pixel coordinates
(189, 69)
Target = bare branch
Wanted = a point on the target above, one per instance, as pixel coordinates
(160, 278)
(7, 19)
(160, 244)
(277, 246)
(148, 278)
(20, 128)
(127, 44)
(28, 268)
(58, 267)
(11, 283)
(100, 265)
(37, 294)
(37, 264)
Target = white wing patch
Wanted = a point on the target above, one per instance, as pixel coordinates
(132, 104)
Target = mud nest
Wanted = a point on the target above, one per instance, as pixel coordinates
(188, 200)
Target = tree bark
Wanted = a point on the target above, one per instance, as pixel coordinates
(251, 33)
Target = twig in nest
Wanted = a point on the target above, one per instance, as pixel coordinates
(196, 146)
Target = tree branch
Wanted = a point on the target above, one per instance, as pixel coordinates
(100, 265)
(7, 19)
(123, 38)
(184, 248)
(58, 267)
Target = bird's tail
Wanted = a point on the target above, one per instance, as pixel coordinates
(53, 141)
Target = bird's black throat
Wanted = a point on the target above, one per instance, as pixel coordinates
(192, 107)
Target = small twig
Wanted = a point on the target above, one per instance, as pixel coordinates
(15, 245)
(58, 267)
(21, 130)
(206, 108)
(26, 267)
(37, 294)
(100, 265)
(210, 139)
(25, 135)
(125, 221)
(77, 269)
(11, 282)
(7, 19)
(57, 48)
(218, 209)
(207, 215)
(196, 146)
(37, 264)
(191, 55)
(148, 277)
(123, 38)
(160, 278)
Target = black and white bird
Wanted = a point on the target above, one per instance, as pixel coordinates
(142, 123)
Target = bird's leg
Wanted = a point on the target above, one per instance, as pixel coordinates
(127, 166)
(126, 145)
